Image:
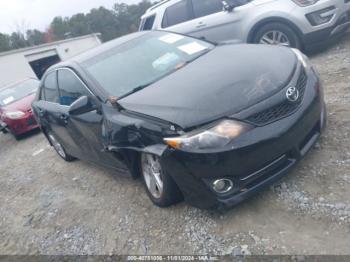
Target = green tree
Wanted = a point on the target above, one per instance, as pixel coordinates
(18, 40)
(60, 27)
(103, 21)
(78, 25)
(120, 20)
(35, 37)
(5, 44)
(129, 15)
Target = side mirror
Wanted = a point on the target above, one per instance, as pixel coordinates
(81, 106)
(227, 6)
(230, 5)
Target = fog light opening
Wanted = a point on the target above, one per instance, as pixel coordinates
(222, 186)
(322, 16)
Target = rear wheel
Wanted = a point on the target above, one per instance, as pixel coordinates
(17, 137)
(277, 34)
(160, 187)
(59, 148)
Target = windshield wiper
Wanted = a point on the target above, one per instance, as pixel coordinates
(136, 89)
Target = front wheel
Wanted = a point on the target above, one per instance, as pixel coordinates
(277, 34)
(59, 148)
(160, 187)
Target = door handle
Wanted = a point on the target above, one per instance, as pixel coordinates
(64, 117)
(41, 112)
(201, 25)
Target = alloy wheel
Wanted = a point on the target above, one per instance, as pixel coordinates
(275, 38)
(152, 174)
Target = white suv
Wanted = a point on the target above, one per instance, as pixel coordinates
(296, 23)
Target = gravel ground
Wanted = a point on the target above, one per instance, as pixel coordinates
(52, 207)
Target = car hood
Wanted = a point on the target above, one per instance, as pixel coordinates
(222, 82)
(23, 104)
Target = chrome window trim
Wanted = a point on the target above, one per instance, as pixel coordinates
(56, 70)
(44, 87)
(75, 74)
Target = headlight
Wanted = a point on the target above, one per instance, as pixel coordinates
(213, 138)
(305, 2)
(14, 115)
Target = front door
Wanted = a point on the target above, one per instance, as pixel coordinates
(53, 113)
(214, 24)
(84, 129)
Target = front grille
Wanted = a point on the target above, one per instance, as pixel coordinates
(277, 166)
(283, 109)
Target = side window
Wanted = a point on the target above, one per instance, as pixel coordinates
(148, 23)
(176, 14)
(50, 86)
(71, 88)
(206, 7)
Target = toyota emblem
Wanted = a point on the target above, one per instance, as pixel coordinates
(292, 94)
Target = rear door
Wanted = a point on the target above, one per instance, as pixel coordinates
(214, 24)
(85, 129)
(205, 19)
(178, 18)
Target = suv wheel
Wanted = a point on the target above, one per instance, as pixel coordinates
(59, 148)
(160, 187)
(277, 34)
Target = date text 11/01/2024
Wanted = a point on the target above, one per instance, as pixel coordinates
(173, 258)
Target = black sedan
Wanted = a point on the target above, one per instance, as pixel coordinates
(208, 123)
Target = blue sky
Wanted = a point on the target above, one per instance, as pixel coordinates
(29, 14)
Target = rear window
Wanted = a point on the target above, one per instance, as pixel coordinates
(176, 14)
(147, 23)
(206, 7)
(18, 91)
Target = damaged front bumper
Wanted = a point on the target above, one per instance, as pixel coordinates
(270, 152)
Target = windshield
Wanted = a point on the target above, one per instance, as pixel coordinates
(144, 60)
(18, 91)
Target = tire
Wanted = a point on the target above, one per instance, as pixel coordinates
(17, 137)
(59, 148)
(167, 193)
(267, 32)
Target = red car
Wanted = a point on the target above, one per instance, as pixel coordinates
(16, 114)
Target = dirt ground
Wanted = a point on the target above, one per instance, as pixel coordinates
(48, 206)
